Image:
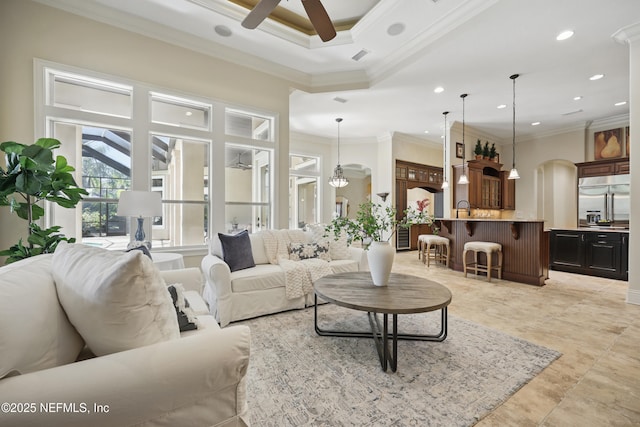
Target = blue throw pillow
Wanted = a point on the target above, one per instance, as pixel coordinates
(236, 250)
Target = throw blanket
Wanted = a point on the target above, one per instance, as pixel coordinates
(300, 275)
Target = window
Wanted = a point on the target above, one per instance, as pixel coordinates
(166, 145)
(304, 204)
(248, 189)
(240, 123)
(179, 112)
(180, 173)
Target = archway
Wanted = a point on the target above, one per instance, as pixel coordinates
(555, 189)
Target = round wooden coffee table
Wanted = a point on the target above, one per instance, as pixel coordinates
(403, 295)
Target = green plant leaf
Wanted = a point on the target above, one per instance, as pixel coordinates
(27, 183)
(42, 157)
(11, 147)
(50, 143)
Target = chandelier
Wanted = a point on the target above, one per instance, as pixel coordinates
(338, 180)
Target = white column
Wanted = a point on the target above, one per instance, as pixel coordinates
(631, 36)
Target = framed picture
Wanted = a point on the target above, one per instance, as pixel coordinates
(459, 150)
(607, 144)
(627, 142)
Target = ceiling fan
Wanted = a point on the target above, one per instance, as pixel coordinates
(315, 10)
(240, 164)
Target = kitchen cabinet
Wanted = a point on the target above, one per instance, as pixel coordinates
(508, 191)
(487, 188)
(412, 175)
(591, 252)
(603, 168)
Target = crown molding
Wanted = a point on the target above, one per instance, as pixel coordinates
(627, 35)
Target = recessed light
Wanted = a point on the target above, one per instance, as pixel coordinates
(564, 35)
(617, 104)
(188, 113)
(596, 77)
(501, 106)
(535, 123)
(577, 98)
(426, 131)
(439, 89)
(340, 100)
(395, 29)
(222, 30)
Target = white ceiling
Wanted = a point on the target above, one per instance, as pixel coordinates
(465, 46)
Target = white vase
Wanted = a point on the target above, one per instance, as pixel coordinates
(380, 256)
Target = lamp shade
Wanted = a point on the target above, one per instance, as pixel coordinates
(140, 204)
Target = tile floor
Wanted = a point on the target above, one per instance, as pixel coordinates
(596, 381)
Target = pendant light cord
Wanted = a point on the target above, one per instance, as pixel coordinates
(445, 145)
(338, 120)
(464, 147)
(513, 164)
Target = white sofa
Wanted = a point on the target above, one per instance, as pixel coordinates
(197, 379)
(260, 290)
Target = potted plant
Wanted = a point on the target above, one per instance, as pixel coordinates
(478, 150)
(485, 151)
(492, 153)
(376, 224)
(34, 175)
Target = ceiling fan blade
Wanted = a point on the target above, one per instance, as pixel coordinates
(259, 13)
(319, 19)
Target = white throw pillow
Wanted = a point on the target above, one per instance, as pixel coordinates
(35, 333)
(117, 301)
(338, 249)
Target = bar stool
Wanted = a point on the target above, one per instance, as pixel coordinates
(440, 246)
(488, 248)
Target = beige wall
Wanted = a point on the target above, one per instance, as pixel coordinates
(30, 30)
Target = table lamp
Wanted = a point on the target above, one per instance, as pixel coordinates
(140, 204)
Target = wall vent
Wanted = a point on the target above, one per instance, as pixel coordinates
(358, 56)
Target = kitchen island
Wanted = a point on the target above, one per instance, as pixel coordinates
(525, 245)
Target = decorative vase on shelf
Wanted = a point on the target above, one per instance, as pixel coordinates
(380, 256)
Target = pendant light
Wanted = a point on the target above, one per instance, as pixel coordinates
(445, 183)
(338, 180)
(513, 174)
(463, 178)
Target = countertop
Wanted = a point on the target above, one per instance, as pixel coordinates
(491, 219)
(593, 229)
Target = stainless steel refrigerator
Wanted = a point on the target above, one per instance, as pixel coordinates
(604, 201)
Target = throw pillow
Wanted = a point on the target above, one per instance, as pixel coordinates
(35, 332)
(142, 248)
(236, 250)
(117, 301)
(186, 317)
(338, 249)
(299, 251)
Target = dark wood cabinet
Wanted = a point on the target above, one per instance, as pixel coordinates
(508, 191)
(603, 168)
(603, 254)
(487, 188)
(412, 175)
(567, 249)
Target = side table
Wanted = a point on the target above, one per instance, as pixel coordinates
(167, 260)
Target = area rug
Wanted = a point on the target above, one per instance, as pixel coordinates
(297, 378)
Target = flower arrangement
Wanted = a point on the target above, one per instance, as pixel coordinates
(373, 221)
